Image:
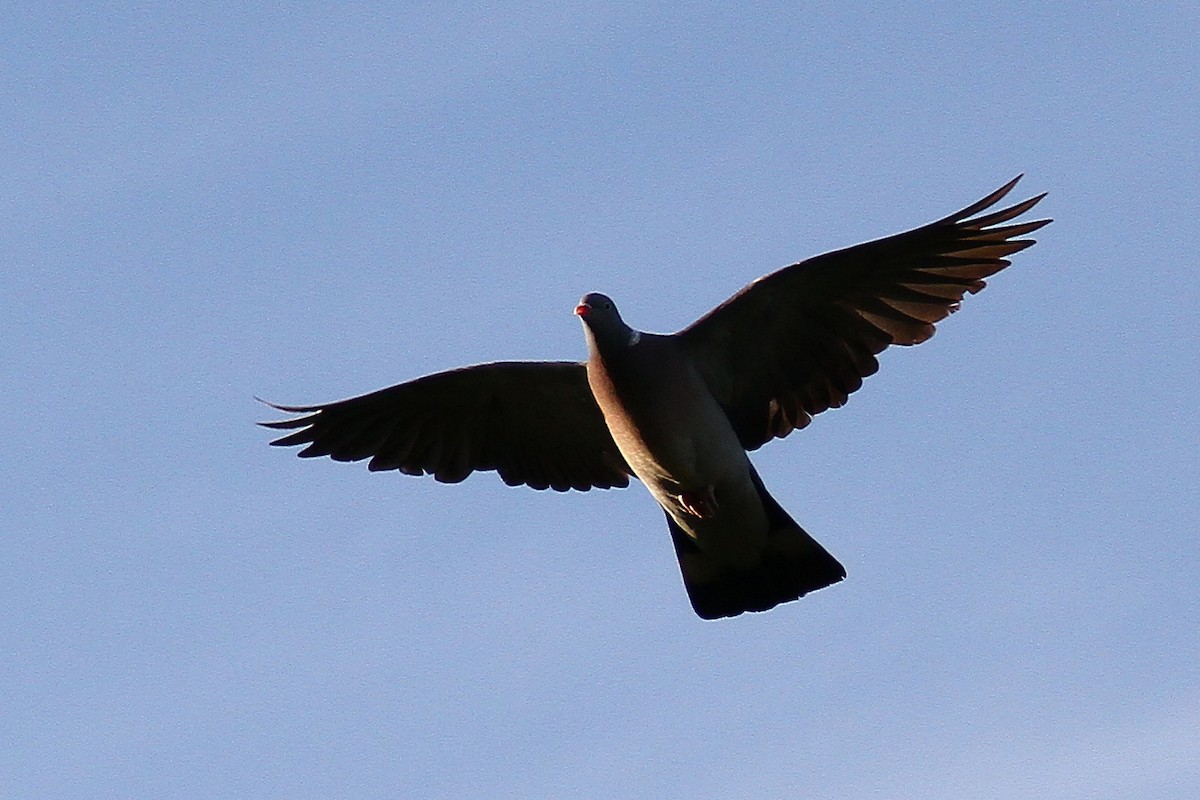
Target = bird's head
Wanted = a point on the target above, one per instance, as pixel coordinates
(601, 319)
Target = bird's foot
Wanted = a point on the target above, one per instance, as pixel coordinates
(702, 504)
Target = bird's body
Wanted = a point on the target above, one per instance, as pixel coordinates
(679, 412)
(679, 442)
(672, 453)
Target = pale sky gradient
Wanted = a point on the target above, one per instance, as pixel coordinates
(207, 202)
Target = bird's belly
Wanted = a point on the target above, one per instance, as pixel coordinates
(678, 441)
(677, 455)
(682, 452)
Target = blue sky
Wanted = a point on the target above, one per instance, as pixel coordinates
(306, 202)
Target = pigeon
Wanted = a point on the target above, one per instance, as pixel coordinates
(680, 412)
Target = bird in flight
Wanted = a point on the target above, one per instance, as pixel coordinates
(679, 412)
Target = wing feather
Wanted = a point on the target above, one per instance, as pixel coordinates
(799, 341)
(535, 423)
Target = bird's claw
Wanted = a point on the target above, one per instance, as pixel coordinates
(702, 504)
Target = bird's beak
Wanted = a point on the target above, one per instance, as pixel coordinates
(582, 310)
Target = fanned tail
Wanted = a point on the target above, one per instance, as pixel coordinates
(791, 565)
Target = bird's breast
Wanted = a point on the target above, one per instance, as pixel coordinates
(667, 425)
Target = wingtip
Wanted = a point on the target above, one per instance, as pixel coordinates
(268, 404)
(288, 409)
(1003, 191)
(1037, 198)
(992, 199)
(286, 424)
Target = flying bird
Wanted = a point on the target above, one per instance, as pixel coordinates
(679, 412)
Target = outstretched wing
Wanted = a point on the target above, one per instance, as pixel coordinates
(799, 341)
(535, 423)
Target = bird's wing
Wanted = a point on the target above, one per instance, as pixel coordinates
(799, 341)
(535, 423)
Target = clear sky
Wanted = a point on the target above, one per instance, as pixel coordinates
(207, 202)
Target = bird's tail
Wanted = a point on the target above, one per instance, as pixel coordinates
(792, 564)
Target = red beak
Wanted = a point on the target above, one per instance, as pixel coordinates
(582, 310)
